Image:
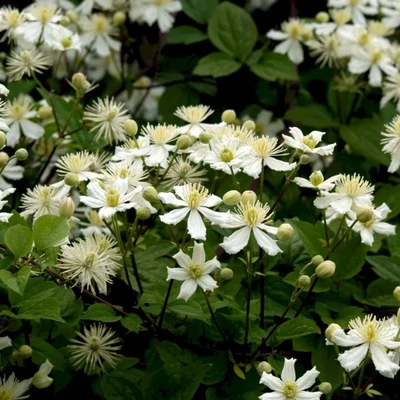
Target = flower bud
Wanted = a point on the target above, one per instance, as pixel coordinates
(65, 21)
(264, 367)
(322, 17)
(150, 194)
(41, 379)
(232, 198)
(71, 179)
(304, 280)
(249, 196)
(45, 111)
(3, 139)
(15, 356)
(396, 293)
(316, 178)
(325, 387)
(119, 18)
(249, 125)
(131, 127)
(66, 42)
(228, 116)
(316, 260)
(21, 154)
(226, 274)
(365, 213)
(25, 351)
(205, 137)
(66, 208)
(304, 159)
(72, 15)
(330, 330)
(326, 269)
(79, 81)
(285, 232)
(3, 159)
(183, 142)
(144, 213)
(398, 317)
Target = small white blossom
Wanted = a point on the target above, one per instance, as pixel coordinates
(13, 389)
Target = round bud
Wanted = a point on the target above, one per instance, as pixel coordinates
(4, 157)
(285, 232)
(142, 83)
(326, 269)
(21, 154)
(66, 207)
(131, 127)
(330, 329)
(249, 125)
(205, 137)
(322, 17)
(150, 194)
(25, 351)
(325, 387)
(249, 196)
(304, 280)
(144, 213)
(398, 317)
(3, 139)
(15, 356)
(228, 116)
(72, 15)
(66, 42)
(226, 274)
(79, 81)
(232, 198)
(396, 293)
(316, 178)
(71, 179)
(183, 142)
(45, 111)
(119, 18)
(365, 213)
(316, 260)
(65, 21)
(304, 159)
(264, 367)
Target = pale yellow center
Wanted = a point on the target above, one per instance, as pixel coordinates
(123, 173)
(310, 141)
(364, 38)
(195, 271)
(183, 170)
(341, 17)
(17, 112)
(161, 2)
(112, 113)
(13, 18)
(112, 197)
(290, 389)
(44, 14)
(89, 260)
(227, 155)
(376, 56)
(94, 343)
(354, 3)
(6, 394)
(66, 42)
(370, 331)
(264, 146)
(251, 216)
(294, 29)
(101, 24)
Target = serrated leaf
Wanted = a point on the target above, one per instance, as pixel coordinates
(315, 116)
(311, 236)
(132, 322)
(43, 351)
(101, 313)
(185, 34)
(18, 281)
(272, 66)
(49, 230)
(19, 240)
(216, 65)
(200, 11)
(296, 327)
(385, 268)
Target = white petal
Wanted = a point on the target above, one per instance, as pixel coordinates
(278, 165)
(211, 265)
(183, 259)
(308, 379)
(179, 274)
(382, 360)
(351, 359)
(31, 129)
(199, 255)
(175, 216)
(271, 382)
(207, 283)
(342, 339)
(288, 372)
(170, 198)
(266, 243)
(237, 241)
(308, 395)
(195, 225)
(187, 289)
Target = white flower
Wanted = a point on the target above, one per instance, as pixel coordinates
(194, 115)
(10, 19)
(95, 225)
(264, 124)
(5, 342)
(194, 271)
(317, 182)
(308, 144)
(367, 229)
(391, 15)
(77, 163)
(41, 379)
(391, 91)
(13, 389)
(327, 48)
(351, 190)
(288, 387)
(3, 215)
(65, 40)
(11, 172)
(251, 218)
(111, 200)
(86, 6)
(358, 8)
(151, 11)
(194, 200)
(391, 143)
(132, 171)
(26, 62)
(368, 335)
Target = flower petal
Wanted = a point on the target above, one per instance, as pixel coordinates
(266, 243)
(308, 379)
(271, 382)
(199, 255)
(195, 226)
(183, 259)
(235, 242)
(175, 216)
(179, 274)
(207, 283)
(382, 361)
(187, 289)
(351, 359)
(288, 372)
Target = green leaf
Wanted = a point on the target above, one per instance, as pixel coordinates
(314, 115)
(272, 66)
(216, 65)
(43, 350)
(233, 31)
(390, 195)
(18, 281)
(379, 294)
(312, 236)
(22, 86)
(132, 322)
(296, 327)
(238, 372)
(185, 34)
(101, 313)
(189, 309)
(19, 240)
(120, 385)
(49, 230)
(199, 10)
(385, 268)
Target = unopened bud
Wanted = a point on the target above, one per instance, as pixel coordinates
(3, 159)
(249, 196)
(183, 142)
(365, 214)
(331, 329)
(65, 21)
(226, 274)
(119, 18)
(66, 42)
(72, 15)
(15, 356)
(316, 178)
(228, 116)
(285, 232)
(398, 317)
(150, 194)
(264, 367)
(144, 213)
(326, 269)
(3, 139)
(396, 293)
(316, 260)
(131, 127)
(71, 179)
(205, 137)
(25, 351)
(41, 379)
(304, 280)
(232, 198)
(21, 154)
(66, 208)
(45, 111)
(79, 81)
(325, 387)
(304, 159)
(322, 17)
(249, 125)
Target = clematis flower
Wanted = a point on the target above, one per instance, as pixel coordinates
(317, 181)
(194, 271)
(194, 116)
(391, 142)
(288, 387)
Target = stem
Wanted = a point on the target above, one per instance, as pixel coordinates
(214, 317)
(171, 282)
(136, 273)
(358, 391)
(169, 166)
(303, 302)
(249, 282)
(262, 288)
(344, 236)
(262, 180)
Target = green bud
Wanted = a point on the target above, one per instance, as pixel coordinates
(205, 137)
(131, 127)
(322, 17)
(304, 280)
(325, 387)
(316, 178)
(66, 207)
(66, 42)
(79, 82)
(144, 213)
(249, 196)
(228, 116)
(264, 367)
(119, 18)
(330, 329)
(232, 198)
(183, 142)
(150, 194)
(25, 351)
(285, 232)
(398, 317)
(304, 159)
(249, 125)
(365, 213)
(3, 139)
(226, 274)
(21, 154)
(71, 179)
(326, 269)
(4, 157)
(316, 260)
(72, 15)
(65, 21)
(396, 293)
(45, 111)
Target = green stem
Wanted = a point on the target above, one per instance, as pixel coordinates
(261, 180)
(358, 391)
(262, 288)
(248, 298)
(168, 167)
(171, 282)
(214, 317)
(344, 236)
